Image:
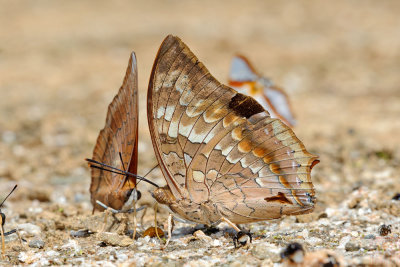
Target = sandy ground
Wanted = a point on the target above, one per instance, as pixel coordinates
(61, 62)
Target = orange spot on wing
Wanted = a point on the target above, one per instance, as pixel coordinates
(229, 119)
(245, 146)
(275, 168)
(267, 159)
(283, 181)
(259, 152)
(237, 133)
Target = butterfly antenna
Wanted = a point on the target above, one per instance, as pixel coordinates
(122, 162)
(8, 195)
(123, 167)
(152, 169)
(101, 166)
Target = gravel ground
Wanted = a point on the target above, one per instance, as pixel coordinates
(61, 62)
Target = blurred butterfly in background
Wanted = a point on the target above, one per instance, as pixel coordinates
(2, 222)
(245, 79)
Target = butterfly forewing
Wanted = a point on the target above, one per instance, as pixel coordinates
(215, 144)
(119, 135)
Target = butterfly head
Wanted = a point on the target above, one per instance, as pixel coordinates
(130, 196)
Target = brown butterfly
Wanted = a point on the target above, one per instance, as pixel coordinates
(2, 222)
(244, 78)
(222, 155)
(114, 162)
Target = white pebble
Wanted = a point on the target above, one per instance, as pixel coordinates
(73, 245)
(122, 257)
(29, 228)
(23, 257)
(304, 233)
(344, 241)
(330, 212)
(216, 243)
(52, 253)
(314, 241)
(324, 221)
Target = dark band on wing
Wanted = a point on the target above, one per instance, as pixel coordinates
(245, 106)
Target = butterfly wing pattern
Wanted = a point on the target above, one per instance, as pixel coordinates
(221, 153)
(119, 135)
(244, 78)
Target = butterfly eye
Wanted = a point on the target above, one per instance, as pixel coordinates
(129, 192)
(138, 195)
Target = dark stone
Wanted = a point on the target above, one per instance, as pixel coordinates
(36, 243)
(351, 246)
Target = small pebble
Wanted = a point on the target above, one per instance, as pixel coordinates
(202, 236)
(314, 241)
(29, 228)
(216, 243)
(370, 236)
(354, 233)
(264, 251)
(72, 245)
(36, 243)
(343, 242)
(81, 233)
(351, 246)
(52, 253)
(114, 239)
(121, 256)
(370, 246)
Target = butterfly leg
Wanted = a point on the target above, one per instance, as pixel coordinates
(142, 217)
(3, 245)
(242, 238)
(170, 227)
(134, 221)
(155, 221)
